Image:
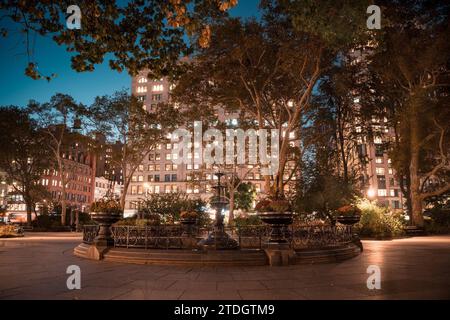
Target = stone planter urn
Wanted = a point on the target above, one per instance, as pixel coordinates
(188, 224)
(277, 221)
(188, 221)
(348, 215)
(348, 220)
(105, 220)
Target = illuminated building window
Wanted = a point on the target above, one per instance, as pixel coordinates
(141, 89)
(377, 140)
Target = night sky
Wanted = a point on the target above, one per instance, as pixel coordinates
(18, 89)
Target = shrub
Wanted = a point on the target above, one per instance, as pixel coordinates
(46, 222)
(378, 222)
(250, 220)
(84, 218)
(151, 221)
(9, 231)
(106, 205)
(170, 205)
(438, 221)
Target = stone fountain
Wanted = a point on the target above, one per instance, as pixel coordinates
(219, 239)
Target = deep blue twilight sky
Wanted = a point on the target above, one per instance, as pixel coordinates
(18, 89)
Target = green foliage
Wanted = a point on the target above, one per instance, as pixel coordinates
(9, 231)
(121, 117)
(84, 218)
(151, 221)
(408, 76)
(46, 222)
(250, 220)
(170, 205)
(244, 196)
(106, 205)
(24, 155)
(378, 222)
(203, 219)
(322, 193)
(335, 23)
(438, 219)
(280, 65)
(132, 35)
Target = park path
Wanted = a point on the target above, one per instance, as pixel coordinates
(34, 267)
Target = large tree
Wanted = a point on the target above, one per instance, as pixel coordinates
(413, 58)
(132, 36)
(266, 71)
(57, 119)
(24, 156)
(122, 118)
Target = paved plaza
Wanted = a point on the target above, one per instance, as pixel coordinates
(34, 267)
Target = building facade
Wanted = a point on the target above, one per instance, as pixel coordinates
(159, 174)
(105, 165)
(80, 174)
(106, 188)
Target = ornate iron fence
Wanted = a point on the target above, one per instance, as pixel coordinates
(299, 236)
(320, 236)
(89, 233)
(161, 237)
(248, 237)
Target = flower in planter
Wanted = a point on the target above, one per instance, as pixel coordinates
(106, 205)
(273, 205)
(189, 215)
(280, 205)
(263, 206)
(349, 210)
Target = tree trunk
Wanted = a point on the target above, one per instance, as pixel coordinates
(63, 208)
(416, 200)
(231, 208)
(77, 220)
(29, 211)
(71, 218)
(63, 192)
(124, 193)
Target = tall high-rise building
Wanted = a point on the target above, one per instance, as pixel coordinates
(379, 180)
(159, 174)
(105, 166)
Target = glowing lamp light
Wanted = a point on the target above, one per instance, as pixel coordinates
(371, 193)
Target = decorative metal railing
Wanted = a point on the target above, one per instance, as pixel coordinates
(298, 236)
(160, 237)
(248, 237)
(310, 236)
(89, 233)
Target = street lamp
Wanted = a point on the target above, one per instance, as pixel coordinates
(371, 193)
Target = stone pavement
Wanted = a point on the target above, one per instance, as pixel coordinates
(34, 267)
